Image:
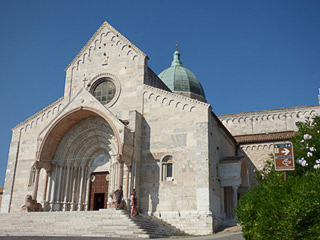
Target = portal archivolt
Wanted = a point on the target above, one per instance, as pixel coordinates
(88, 146)
(80, 145)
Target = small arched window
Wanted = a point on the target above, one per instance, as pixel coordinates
(167, 169)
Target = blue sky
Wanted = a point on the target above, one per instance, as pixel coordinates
(248, 55)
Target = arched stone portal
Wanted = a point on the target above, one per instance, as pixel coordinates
(79, 145)
(87, 147)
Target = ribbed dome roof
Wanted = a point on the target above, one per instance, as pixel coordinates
(181, 79)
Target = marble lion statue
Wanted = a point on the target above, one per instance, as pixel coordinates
(31, 205)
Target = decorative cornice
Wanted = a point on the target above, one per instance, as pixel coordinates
(177, 96)
(269, 112)
(39, 113)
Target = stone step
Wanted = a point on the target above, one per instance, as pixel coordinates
(106, 223)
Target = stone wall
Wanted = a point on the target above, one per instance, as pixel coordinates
(222, 145)
(22, 154)
(171, 128)
(276, 120)
(176, 126)
(259, 124)
(187, 130)
(191, 222)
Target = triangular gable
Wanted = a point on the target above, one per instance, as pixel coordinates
(83, 105)
(104, 29)
(85, 99)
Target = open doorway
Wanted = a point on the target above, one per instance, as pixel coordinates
(98, 191)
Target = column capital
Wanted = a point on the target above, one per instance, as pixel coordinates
(119, 158)
(37, 165)
(129, 167)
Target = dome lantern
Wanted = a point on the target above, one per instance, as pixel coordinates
(181, 80)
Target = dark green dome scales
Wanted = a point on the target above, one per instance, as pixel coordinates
(182, 80)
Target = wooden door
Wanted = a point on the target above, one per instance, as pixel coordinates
(98, 191)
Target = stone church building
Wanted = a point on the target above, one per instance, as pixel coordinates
(119, 124)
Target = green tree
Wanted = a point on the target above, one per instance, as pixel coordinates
(278, 209)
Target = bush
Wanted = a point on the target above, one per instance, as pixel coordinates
(278, 209)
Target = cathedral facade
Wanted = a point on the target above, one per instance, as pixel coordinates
(119, 124)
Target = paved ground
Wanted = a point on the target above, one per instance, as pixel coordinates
(223, 236)
(230, 233)
(220, 236)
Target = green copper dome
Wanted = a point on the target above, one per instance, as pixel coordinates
(181, 79)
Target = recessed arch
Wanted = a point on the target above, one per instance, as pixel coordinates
(56, 132)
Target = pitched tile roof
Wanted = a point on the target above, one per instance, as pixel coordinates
(265, 137)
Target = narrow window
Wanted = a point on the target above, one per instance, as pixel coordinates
(167, 169)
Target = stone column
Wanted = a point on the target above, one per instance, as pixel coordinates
(132, 176)
(62, 187)
(70, 183)
(114, 177)
(65, 200)
(36, 182)
(235, 196)
(81, 169)
(60, 168)
(49, 189)
(120, 174)
(74, 189)
(87, 197)
(77, 193)
(52, 187)
(111, 183)
(45, 190)
(126, 187)
(84, 188)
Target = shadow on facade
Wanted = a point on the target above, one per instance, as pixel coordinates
(149, 175)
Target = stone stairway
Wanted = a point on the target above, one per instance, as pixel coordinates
(103, 223)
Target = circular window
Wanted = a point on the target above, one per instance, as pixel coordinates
(105, 92)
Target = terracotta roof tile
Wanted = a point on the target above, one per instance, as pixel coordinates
(265, 137)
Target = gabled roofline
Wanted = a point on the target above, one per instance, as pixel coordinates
(297, 108)
(38, 113)
(119, 35)
(176, 95)
(223, 128)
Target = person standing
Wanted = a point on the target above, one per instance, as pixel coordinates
(119, 195)
(133, 202)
